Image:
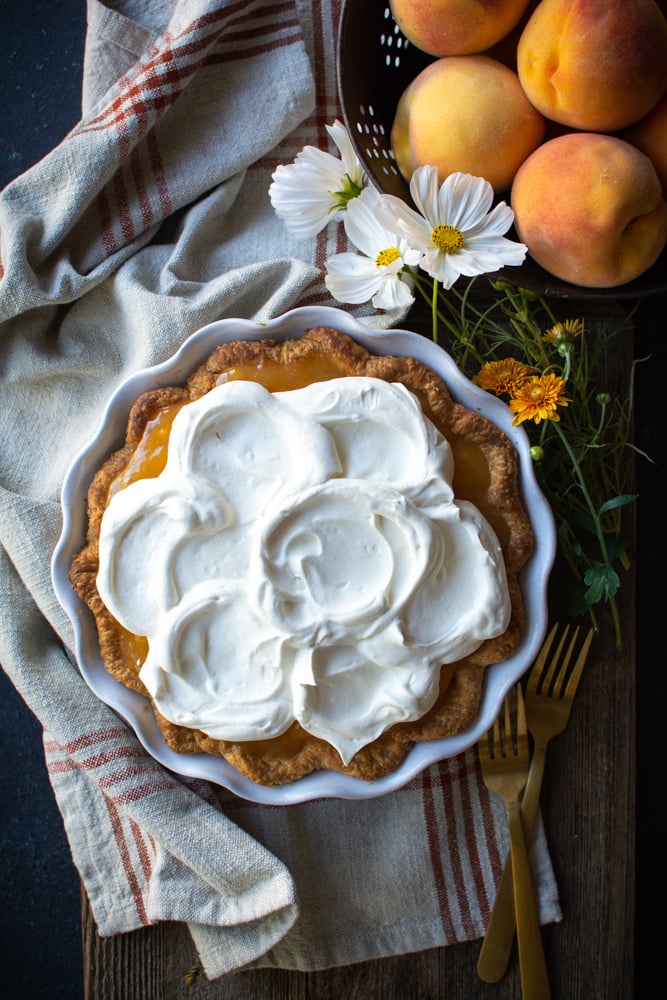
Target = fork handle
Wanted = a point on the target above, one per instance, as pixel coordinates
(497, 944)
(534, 978)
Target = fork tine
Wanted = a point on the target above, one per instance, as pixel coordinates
(521, 723)
(514, 739)
(508, 742)
(495, 744)
(548, 677)
(578, 667)
(541, 659)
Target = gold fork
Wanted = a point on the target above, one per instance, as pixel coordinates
(548, 705)
(505, 760)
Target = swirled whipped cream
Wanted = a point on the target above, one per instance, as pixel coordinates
(301, 557)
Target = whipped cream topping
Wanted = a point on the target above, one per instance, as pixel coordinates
(301, 557)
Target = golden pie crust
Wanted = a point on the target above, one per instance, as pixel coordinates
(487, 473)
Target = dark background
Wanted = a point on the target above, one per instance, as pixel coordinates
(40, 942)
(41, 60)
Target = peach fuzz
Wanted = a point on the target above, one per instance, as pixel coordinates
(468, 114)
(650, 135)
(456, 27)
(594, 65)
(589, 208)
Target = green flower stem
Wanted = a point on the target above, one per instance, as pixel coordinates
(594, 518)
(600, 427)
(430, 292)
(434, 312)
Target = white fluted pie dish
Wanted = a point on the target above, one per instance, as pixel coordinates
(135, 709)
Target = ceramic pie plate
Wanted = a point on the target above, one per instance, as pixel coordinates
(135, 709)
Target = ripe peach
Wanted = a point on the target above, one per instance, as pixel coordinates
(595, 65)
(466, 113)
(456, 27)
(650, 135)
(589, 208)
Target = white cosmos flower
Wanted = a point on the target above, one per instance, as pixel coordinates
(455, 233)
(378, 272)
(316, 188)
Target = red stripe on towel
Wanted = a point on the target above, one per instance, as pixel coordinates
(470, 806)
(449, 789)
(145, 856)
(89, 739)
(126, 861)
(433, 840)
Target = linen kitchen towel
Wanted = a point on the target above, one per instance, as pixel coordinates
(149, 220)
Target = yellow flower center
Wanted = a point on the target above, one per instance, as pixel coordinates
(387, 257)
(448, 239)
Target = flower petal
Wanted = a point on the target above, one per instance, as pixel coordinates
(364, 228)
(440, 266)
(467, 199)
(351, 163)
(352, 278)
(498, 221)
(394, 293)
(497, 251)
(311, 191)
(414, 227)
(425, 194)
(355, 279)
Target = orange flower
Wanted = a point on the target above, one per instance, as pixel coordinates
(538, 398)
(506, 375)
(564, 331)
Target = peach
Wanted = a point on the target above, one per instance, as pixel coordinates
(456, 27)
(595, 65)
(589, 208)
(468, 114)
(650, 135)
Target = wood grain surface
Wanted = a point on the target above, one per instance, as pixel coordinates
(589, 809)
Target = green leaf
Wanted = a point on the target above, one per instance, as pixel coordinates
(621, 501)
(602, 582)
